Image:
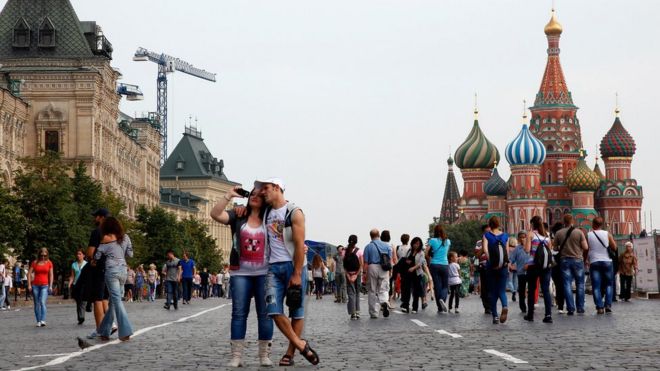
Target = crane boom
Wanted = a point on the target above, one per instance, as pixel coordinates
(167, 64)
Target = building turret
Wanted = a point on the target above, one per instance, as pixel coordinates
(449, 212)
(496, 189)
(583, 182)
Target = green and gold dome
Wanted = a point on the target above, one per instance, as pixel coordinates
(476, 152)
(582, 178)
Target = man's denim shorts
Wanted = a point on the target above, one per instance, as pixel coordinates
(277, 282)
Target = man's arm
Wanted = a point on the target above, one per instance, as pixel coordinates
(298, 226)
(179, 273)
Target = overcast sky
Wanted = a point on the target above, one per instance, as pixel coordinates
(356, 103)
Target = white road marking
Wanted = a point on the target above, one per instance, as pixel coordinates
(443, 332)
(505, 356)
(67, 356)
(396, 311)
(419, 323)
(47, 355)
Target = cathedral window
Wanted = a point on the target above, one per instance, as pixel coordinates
(21, 37)
(46, 34)
(52, 141)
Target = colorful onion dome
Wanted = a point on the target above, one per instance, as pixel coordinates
(495, 186)
(476, 152)
(582, 178)
(553, 27)
(525, 149)
(617, 142)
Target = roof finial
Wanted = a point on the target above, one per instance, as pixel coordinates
(476, 110)
(617, 110)
(495, 164)
(524, 115)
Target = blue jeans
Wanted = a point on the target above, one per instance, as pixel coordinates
(186, 282)
(172, 288)
(115, 278)
(512, 282)
(573, 269)
(40, 294)
(602, 274)
(2, 294)
(497, 285)
(277, 282)
(244, 288)
(440, 276)
(543, 275)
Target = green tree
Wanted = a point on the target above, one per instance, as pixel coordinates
(12, 225)
(155, 232)
(463, 235)
(200, 245)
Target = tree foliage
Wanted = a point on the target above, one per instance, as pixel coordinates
(12, 223)
(463, 235)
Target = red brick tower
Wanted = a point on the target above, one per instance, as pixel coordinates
(555, 123)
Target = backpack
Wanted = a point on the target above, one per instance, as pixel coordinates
(497, 254)
(543, 255)
(385, 259)
(351, 261)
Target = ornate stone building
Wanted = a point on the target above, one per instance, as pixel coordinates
(192, 181)
(61, 67)
(13, 115)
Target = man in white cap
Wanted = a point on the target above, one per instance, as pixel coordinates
(285, 226)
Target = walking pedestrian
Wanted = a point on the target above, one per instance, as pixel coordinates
(188, 270)
(455, 281)
(285, 226)
(226, 283)
(152, 278)
(40, 282)
(464, 264)
(130, 284)
(437, 255)
(139, 282)
(557, 275)
(17, 280)
(627, 269)
(571, 245)
(3, 277)
(600, 265)
(481, 272)
(352, 265)
(377, 278)
(538, 271)
(24, 279)
(115, 247)
(218, 282)
(318, 272)
(249, 265)
(95, 289)
(517, 261)
(6, 289)
(512, 281)
(197, 284)
(340, 275)
(76, 268)
(416, 272)
(495, 244)
(205, 283)
(172, 273)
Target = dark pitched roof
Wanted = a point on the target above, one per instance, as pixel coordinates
(74, 39)
(197, 161)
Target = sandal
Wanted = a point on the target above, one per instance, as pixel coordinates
(310, 354)
(286, 360)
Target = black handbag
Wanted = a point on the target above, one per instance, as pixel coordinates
(610, 253)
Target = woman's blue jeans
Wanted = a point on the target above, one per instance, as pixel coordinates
(602, 274)
(40, 294)
(497, 285)
(115, 278)
(440, 276)
(243, 289)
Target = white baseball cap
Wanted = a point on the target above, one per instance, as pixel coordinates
(274, 180)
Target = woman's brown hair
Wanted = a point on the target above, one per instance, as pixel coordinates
(494, 222)
(537, 224)
(317, 262)
(439, 232)
(111, 225)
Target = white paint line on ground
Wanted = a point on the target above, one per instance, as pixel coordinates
(505, 356)
(67, 356)
(396, 311)
(443, 332)
(419, 323)
(47, 355)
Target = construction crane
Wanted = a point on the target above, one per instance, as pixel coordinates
(168, 64)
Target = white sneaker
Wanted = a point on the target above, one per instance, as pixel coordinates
(43, 323)
(38, 324)
(443, 306)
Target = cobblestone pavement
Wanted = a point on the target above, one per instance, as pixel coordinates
(196, 337)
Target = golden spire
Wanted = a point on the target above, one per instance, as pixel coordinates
(553, 27)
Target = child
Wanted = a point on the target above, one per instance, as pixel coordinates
(454, 280)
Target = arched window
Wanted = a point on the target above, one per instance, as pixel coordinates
(548, 177)
(52, 141)
(21, 35)
(46, 34)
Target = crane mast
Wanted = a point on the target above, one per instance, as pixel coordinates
(168, 64)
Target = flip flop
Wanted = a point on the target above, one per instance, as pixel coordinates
(286, 361)
(310, 354)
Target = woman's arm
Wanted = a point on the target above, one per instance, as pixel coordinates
(528, 244)
(484, 246)
(71, 278)
(219, 212)
(29, 277)
(50, 277)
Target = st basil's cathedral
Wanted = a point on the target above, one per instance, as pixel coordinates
(549, 174)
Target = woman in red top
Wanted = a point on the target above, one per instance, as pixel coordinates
(41, 285)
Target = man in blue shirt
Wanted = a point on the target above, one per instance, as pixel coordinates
(188, 270)
(377, 279)
(517, 260)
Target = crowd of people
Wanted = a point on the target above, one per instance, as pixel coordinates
(268, 264)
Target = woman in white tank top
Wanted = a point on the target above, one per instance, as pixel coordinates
(600, 266)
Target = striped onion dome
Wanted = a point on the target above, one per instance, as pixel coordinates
(582, 178)
(617, 142)
(525, 149)
(476, 152)
(495, 186)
